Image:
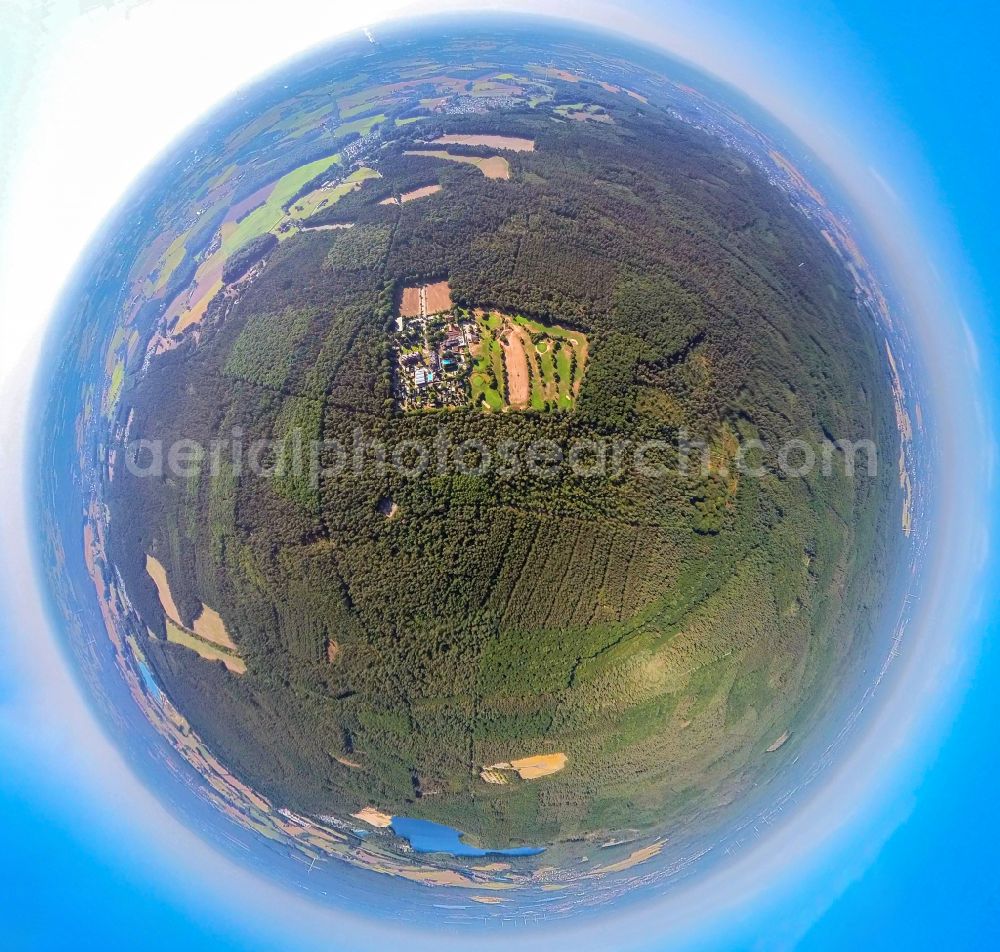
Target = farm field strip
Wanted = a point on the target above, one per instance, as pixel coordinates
(256, 215)
(494, 167)
(412, 195)
(510, 143)
(209, 637)
(180, 636)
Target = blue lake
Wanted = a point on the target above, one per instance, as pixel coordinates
(427, 837)
(149, 681)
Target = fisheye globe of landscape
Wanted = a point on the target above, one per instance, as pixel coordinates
(494, 451)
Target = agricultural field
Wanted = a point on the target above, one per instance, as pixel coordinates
(204, 649)
(362, 125)
(423, 192)
(325, 195)
(493, 167)
(511, 143)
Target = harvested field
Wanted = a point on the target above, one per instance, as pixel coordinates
(178, 636)
(780, 742)
(210, 626)
(419, 193)
(495, 167)
(159, 576)
(518, 376)
(540, 765)
(437, 297)
(633, 859)
(529, 768)
(511, 143)
(409, 306)
(421, 300)
(373, 817)
(493, 776)
(209, 637)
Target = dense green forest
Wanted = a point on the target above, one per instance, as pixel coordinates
(660, 629)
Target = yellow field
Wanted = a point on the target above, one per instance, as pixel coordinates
(159, 576)
(210, 626)
(495, 167)
(373, 817)
(528, 768)
(209, 638)
(512, 143)
(633, 859)
(179, 636)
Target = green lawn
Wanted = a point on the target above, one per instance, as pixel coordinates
(115, 387)
(362, 126)
(564, 363)
(269, 215)
(321, 197)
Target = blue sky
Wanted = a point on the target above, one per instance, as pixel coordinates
(899, 88)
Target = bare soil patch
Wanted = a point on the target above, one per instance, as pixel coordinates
(518, 377)
(373, 817)
(437, 297)
(410, 304)
(419, 193)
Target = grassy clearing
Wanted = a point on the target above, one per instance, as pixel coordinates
(581, 112)
(564, 368)
(362, 126)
